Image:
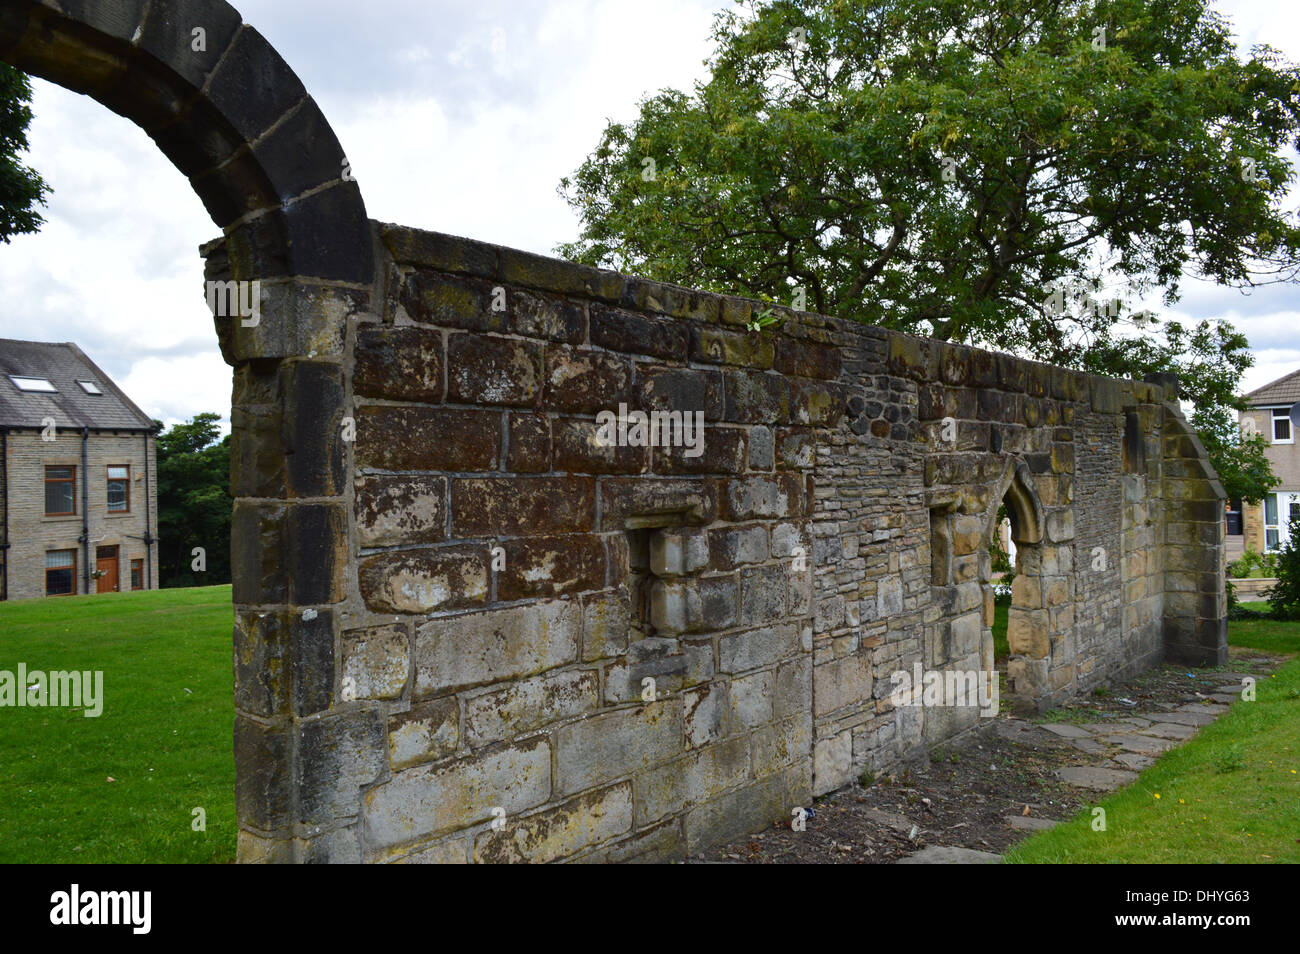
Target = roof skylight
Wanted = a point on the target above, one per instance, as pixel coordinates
(32, 384)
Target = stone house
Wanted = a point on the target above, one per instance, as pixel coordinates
(1264, 526)
(78, 477)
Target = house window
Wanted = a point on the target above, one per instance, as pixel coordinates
(1272, 530)
(90, 387)
(60, 572)
(137, 574)
(1282, 426)
(60, 491)
(119, 489)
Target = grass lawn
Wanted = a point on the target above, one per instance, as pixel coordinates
(121, 787)
(1266, 635)
(1231, 794)
(1001, 648)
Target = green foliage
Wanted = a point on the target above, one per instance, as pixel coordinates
(946, 169)
(1285, 594)
(1239, 459)
(1251, 561)
(21, 189)
(194, 502)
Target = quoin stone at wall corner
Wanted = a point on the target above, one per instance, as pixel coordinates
(474, 630)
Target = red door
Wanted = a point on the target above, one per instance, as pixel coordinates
(106, 564)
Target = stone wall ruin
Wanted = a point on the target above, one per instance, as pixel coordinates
(451, 588)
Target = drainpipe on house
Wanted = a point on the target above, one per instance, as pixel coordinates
(148, 530)
(85, 510)
(4, 496)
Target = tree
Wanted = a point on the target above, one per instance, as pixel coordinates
(1284, 597)
(194, 502)
(21, 189)
(986, 173)
(1209, 360)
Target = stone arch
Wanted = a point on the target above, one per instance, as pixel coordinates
(1016, 489)
(230, 114)
(225, 109)
(1026, 617)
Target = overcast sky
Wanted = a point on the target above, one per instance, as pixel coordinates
(456, 116)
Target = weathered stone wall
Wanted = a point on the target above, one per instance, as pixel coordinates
(507, 581)
(448, 593)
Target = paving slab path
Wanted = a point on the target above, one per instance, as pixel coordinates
(1009, 778)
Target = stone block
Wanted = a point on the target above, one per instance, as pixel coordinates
(763, 594)
(630, 333)
(487, 370)
(340, 753)
(582, 448)
(710, 345)
(606, 618)
(526, 705)
(546, 316)
(551, 566)
(425, 438)
(423, 581)
(807, 359)
(376, 662)
(841, 683)
(263, 789)
(832, 763)
(456, 652)
(400, 510)
(622, 742)
(429, 800)
(529, 444)
(559, 832)
(522, 505)
(679, 552)
(759, 497)
(427, 732)
(757, 648)
(586, 382)
(710, 450)
(734, 547)
(758, 397)
(398, 364)
(694, 606)
(631, 502)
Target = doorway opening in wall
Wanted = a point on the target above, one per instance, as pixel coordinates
(1002, 557)
(1015, 617)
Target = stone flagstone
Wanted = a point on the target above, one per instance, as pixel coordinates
(947, 855)
(1096, 777)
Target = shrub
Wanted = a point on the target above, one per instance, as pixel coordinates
(1285, 595)
(1251, 560)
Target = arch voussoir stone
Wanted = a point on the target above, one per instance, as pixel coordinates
(225, 108)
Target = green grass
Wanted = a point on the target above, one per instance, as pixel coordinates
(1266, 635)
(164, 735)
(1231, 794)
(1001, 648)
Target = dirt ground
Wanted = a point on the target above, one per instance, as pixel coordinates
(992, 787)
